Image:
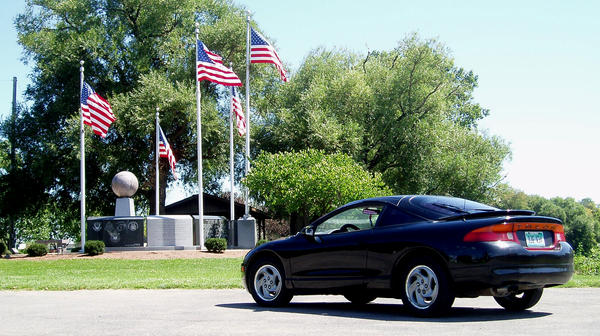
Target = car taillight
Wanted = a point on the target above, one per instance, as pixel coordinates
(508, 232)
(498, 232)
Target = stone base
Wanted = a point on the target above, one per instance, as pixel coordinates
(169, 230)
(152, 248)
(245, 237)
(124, 207)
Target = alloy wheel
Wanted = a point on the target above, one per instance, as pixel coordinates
(421, 287)
(268, 282)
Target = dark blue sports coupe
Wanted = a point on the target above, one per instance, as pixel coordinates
(425, 250)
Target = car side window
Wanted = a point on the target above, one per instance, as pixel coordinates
(355, 219)
(391, 216)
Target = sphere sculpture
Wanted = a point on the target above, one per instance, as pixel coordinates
(125, 184)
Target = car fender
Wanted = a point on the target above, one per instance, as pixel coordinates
(264, 251)
(415, 252)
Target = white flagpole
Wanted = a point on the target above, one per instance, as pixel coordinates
(157, 174)
(232, 194)
(82, 160)
(199, 148)
(247, 170)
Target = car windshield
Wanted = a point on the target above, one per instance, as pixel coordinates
(437, 207)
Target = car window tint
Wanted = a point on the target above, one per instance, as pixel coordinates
(436, 207)
(360, 218)
(392, 216)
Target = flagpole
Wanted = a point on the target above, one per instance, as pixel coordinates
(157, 174)
(247, 170)
(232, 194)
(82, 160)
(199, 148)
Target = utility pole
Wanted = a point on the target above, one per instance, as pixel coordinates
(13, 159)
(12, 126)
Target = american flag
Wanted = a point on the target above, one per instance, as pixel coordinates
(210, 67)
(164, 150)
(236, 106)
(96, 111)
(262, 51)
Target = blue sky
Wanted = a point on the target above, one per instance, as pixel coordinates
(538, 64)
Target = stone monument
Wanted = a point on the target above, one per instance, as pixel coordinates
(124, 185)
(245, 232)
(124, 230)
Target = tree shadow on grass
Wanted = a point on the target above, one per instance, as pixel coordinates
(389, 312)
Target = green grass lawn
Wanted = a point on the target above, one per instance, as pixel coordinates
(71, 274)
(580, 280)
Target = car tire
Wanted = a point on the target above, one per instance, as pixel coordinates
(425, 287)
(358, 298)
(528, 299)
(266, 283)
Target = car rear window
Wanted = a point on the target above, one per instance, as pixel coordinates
(437, 207)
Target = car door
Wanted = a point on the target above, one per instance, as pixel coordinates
(395, 232)
(335, 256)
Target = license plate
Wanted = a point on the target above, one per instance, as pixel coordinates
(535, 239)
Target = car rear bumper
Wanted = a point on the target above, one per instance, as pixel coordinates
(501, 265)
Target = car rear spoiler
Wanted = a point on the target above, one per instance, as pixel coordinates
(494, 213)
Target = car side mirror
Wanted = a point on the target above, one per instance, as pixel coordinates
(308, 231)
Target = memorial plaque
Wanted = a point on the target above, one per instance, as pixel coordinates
(116, 231)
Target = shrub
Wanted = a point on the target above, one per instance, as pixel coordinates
(76, 249)
(261, 241)
(36, 250)
(588, 264)
(216, 244)
(3, 247)
(94, 247)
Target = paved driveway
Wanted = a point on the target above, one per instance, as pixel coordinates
(232, 312)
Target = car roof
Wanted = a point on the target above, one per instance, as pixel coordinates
(416, 205)
(405, 201)
(394, 200)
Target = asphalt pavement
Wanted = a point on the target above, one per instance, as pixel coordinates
(232, 312)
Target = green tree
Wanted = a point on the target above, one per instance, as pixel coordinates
(595, 211)
(579, 218)
(552, 210)
(139, 54)
(135, 130)
(579, 224)
(580, 233)
(506, 197)
(4, 189)
(306, 184)
(407, 113)
(4, 159)
(19, 189)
